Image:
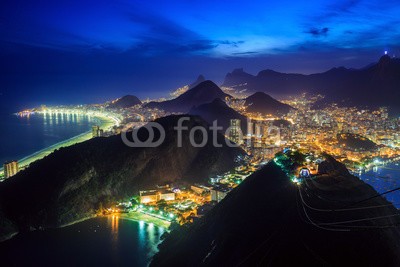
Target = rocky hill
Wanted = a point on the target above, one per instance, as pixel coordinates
(262, 103)
(71, 183)
(204, 92)
(356, 142)
(218, 110)
(125, 102)
(270, 221)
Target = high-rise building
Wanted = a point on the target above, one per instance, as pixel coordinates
(97, 131)
(10, 168)
(249, 128)
(218, 193)
(235, 132)
(258, 130)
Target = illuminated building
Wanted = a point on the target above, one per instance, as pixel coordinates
(10, 168)
(235, 132)
(258, 130)
(304, 172)
(166, 195)
(219, 192)
(199, 189)
(95, 131)
(250, 126)
(150, 196)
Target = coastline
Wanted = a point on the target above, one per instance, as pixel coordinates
(140, 217)
(8, 236)
(104, 123)
(78, 221)
(133, 216)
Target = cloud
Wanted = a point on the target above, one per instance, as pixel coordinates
(245, 53)
(323, 32)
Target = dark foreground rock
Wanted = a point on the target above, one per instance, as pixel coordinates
(72, 183)
(263, 222)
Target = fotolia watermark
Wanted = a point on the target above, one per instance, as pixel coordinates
(198, 135)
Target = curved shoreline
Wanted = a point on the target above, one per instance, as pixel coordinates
(140, 217)
(105, 123)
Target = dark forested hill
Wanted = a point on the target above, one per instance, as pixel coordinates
(265, 222)
(218, 110)
(262, 103)
(125, 102)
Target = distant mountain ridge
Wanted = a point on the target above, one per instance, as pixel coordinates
(205, 92)
(374, 85)
(237, 77)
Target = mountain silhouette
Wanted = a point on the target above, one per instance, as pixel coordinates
(374, 85)
(218, 110)
(198, 81)
(204, 92)
(265, 104)
(262, 222)
(125, 102)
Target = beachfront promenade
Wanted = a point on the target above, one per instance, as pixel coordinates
(106, 120)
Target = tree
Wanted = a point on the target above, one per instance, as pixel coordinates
(162, 204)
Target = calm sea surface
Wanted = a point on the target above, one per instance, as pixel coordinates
(383, 179)
(23, 136)
(105, 241)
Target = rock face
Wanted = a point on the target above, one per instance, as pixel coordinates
(126, 102)
(265, 104)
(203, 93)
(219, 110)
(7, 228)
(238, 77)
(368, 86)
(332, 167)
(71, 183)
(263, 222)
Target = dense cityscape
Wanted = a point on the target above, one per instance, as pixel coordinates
(361, 138)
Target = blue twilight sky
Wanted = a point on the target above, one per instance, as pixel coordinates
(88, 51)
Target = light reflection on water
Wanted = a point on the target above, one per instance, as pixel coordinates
(384, 178)
(148, 235)
(100, 241)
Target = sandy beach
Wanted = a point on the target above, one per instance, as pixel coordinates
(137, 216)
(104, 123)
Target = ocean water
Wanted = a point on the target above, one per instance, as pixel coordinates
(104, 241)
(23, 136)
(383, 179)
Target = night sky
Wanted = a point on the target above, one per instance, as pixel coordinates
(58, 51)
